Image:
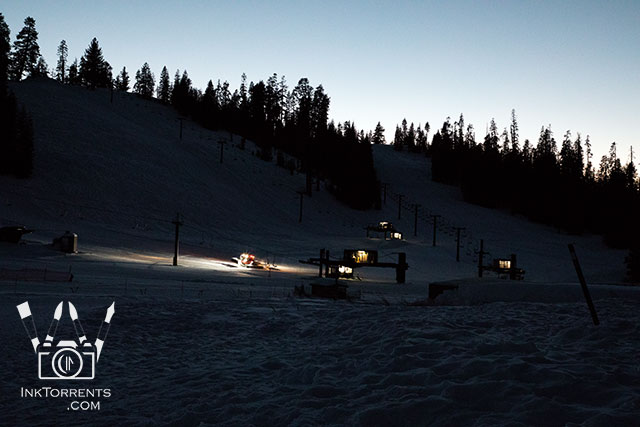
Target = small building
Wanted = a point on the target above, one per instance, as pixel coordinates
(385, 228)
(68, 243)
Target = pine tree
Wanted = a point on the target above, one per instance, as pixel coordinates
(410, 140)
(513, 132)
(5, 48)
(589, 172)
(94, 70)
(405, 130)
(145, 81)
(470, 136)
(164, 86)
(25, 50)
(74, 75)
(631, 173)
(506, 144)
(243, 92)
(122, 81)
(378, 135)
(398, 139)
(61, 67)
(181, 91)
(491, 138)
(41, 69)
(319, 112)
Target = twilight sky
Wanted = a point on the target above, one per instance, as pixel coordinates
(572, 64)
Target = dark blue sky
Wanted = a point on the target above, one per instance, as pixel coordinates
(572, 64)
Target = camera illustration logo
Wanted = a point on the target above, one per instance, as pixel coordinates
(68, 359)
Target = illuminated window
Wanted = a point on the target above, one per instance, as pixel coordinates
(345, 270)
(361, 257)
(504, 264)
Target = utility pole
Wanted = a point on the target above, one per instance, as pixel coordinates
(458, 230)
(415, 219)
(181, 119)
(177, 223)
(435, 224)
(481, 255)
(301, 193)
(222, 142)
(400, 206)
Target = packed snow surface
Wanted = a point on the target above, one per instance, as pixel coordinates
(210, 343)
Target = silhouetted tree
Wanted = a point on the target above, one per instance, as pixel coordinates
(74, 75)
(145, 81)
(319, 112)
(25, 50)
(41, 69)
(631, 174)
(94, 70)
(180, 95)
(122, 81)
(398, 139)
(61, 66)
(513, 131)
(378, 135)
(243, 93)
(164, 86)
(5, 48)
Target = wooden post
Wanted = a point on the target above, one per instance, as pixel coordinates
(415, 219)
(400, 206)
(401, 268)
(513, 266)
(458, 229)
(435, 224)
(177, 223)
(583, 283)
(326, 264)
(322, 251)
(480, 258)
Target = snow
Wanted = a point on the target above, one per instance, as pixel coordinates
(207, 343)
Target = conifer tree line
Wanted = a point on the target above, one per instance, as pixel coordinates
(292, 121)
(16, 128)
(551, 183)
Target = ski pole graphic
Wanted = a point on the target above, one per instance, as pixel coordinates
(76, 323)
(102, 338)
(25, 312)
(54, 323)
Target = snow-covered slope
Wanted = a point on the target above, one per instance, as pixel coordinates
(117, 174)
